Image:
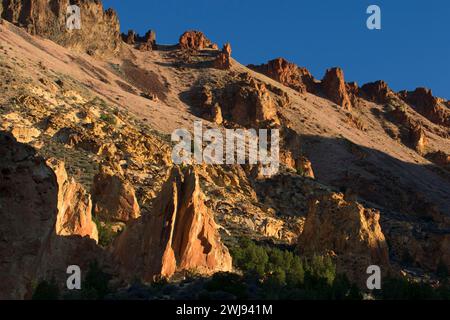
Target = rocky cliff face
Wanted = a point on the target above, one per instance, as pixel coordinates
(425, 103)
(114, 197)
(49, 234)
(74, 205)
(179, 234)
(346, 230)
(288, 74)
(99, 33)
(378, 92)
(92, 112)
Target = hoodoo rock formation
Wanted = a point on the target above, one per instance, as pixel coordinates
(334, 87)
(223, 60)
(99, 33)
(418, 138)
(346, 230)
(179, 234)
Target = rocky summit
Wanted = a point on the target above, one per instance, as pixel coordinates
(87, 175)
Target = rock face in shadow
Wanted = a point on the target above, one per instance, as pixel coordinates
(99, 33)
(346, 230)
(179, 234)
(334, 87)
(30, 248)
(288, 74)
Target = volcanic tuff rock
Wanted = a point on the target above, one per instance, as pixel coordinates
(243, 100)
(288, 74)
(178, 234)
(223, 60)
(114, 197)
(253, 105)
(130, 37)
(378, 91)
(74, 205)
(426, 104)
(194, 40)
(334, 87)
(418, 138)
(31, 247)
(347, 230)
(99, 33)
(96, 111)
(145, 43)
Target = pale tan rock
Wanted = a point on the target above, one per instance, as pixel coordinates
(113, 197)
(74, 205)
(217, 114)
(25, 134)
(346, 230)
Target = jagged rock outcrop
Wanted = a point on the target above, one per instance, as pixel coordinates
(253, 105)
(244, 101)
(288, 74)
(195, 40)
(130, 37)
(418, 138)
(30, 248)
(346, 230)
(334, 87)
(432, 108)
(305, 167)
(113, 197)
(74, 205)
(179, 234)
(145, 43)
(223, 60)
(99, 33)
(377, 91)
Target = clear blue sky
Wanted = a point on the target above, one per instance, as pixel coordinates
(411, 50)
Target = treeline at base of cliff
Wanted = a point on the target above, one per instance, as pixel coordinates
(265, 272)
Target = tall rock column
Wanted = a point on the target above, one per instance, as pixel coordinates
(179, 234)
